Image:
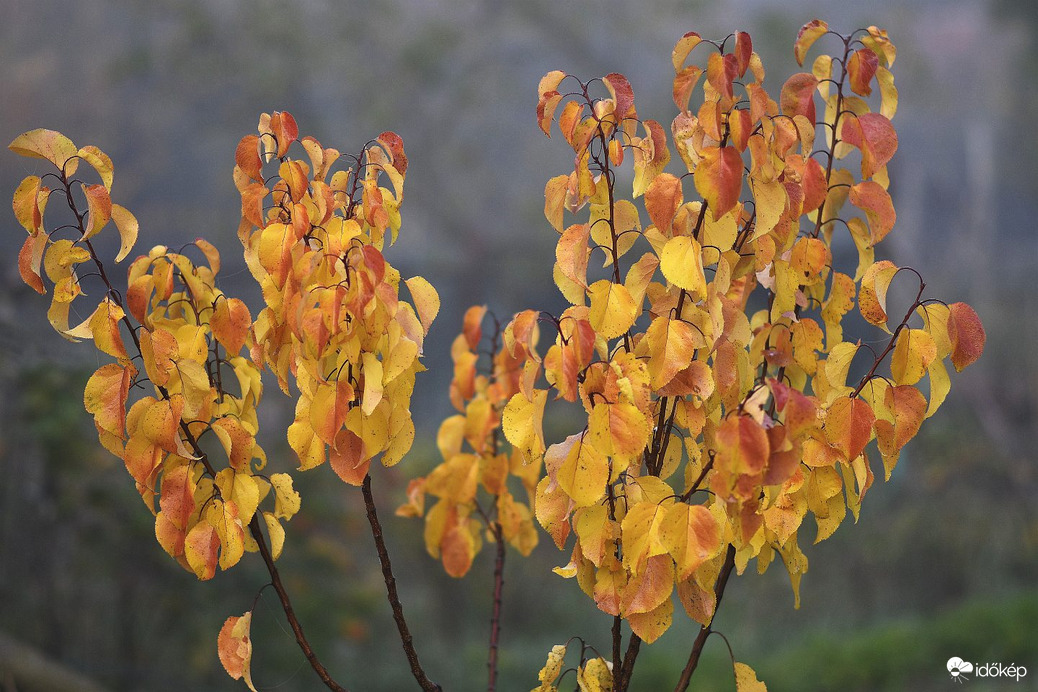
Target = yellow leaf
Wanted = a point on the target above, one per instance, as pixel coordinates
(126, 224)
(651, 625)
(286, 499)
(872, 297)
(681, 262)
(277, 534)
(746, 680)
(595, 676)
(613, 310)
(808, 34)
(584, 474)
(100, 161)
(522, 423)
(913, 353)
(672, 344)
(50, 145)
(242, 489)
(640, 532)
(553, 666)
(426, 300)
(691, 536)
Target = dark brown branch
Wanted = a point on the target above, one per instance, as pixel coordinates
(293, 621)
(394, 600)
(627, 668)
(617, 662)
(495, 617)
(704, 631)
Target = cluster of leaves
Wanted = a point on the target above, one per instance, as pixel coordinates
(455, 524)
(707, 352)
(333, 322)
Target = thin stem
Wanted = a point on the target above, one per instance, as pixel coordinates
(495, 617)
(704, 631)
(394, 600)
(293, 621)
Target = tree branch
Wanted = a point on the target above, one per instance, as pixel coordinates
(627, 668)
(293, 621)
(704, 631)
(495, 618)
(394, 600)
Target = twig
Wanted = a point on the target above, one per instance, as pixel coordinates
(394, 600)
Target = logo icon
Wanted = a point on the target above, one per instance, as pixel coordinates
(958, 668)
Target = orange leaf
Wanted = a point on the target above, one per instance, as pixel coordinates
(848, 426)
(861, 68)
(662, 199)
(29, 259)
(966, 334)
(234, 646)
(718, 179)
(230, 323)
(246, 155)
(285, 130)
(105, 397)
(99, 209)
(870, 197)
(798, 95)
(347, 458)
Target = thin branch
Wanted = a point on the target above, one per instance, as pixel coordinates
(293, 621)
(704, 631)
(617, 661)
(627, 668)
(495, 618)
(394, 600)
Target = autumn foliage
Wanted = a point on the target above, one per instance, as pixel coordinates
(722, 400)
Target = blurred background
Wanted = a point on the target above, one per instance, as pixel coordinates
(945, 560)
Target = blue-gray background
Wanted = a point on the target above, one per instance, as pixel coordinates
(945, 559)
